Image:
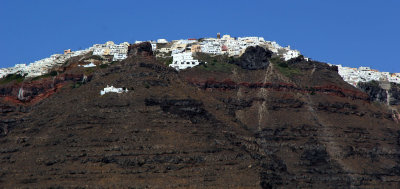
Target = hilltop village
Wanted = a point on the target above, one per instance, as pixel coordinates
(182, 53)
(366, 74)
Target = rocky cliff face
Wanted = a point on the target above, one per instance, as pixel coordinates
(140, 49)
(390, 95)
(254, 58)
(293, 125)
(33, 91)
(394, 93)
(375, 92)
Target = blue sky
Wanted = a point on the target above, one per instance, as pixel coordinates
(348, 32)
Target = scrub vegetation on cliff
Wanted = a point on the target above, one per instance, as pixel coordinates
(217, 63)
(12, 77)
(284, 68)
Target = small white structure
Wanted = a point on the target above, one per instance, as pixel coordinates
(153, 45)
(162, 41)
(164, 50)
(118, 57)
(112, 89)
(183, 60)
(291, 54)
(89, 65)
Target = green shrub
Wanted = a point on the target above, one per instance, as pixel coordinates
(283, 65)
(312, 91)
(284, 68)
(289, 71)
(66, 62)
(218, 67)
(167, 60)
(95, 57)
(218, 63)
(12, 77)
(76, 85)
(89, 71)
(53, 73)
(103, 66)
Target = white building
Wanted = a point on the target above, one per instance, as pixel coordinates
(89, 65)
(119, 56)
(112, 89)
(273, 46)
(162, 41)
(395, 78)
(227, 38)
(164, 50)
(211, 46)
(183, 60)
(291, 54)
(252, 39)
(153, 45)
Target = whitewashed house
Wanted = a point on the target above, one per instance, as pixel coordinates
(291, 54)
(89, 65)
(153, 45)
(119, 56)
(112, 89)
(183, 60)
(211, 47)
(162, 41)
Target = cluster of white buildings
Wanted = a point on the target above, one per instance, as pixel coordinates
(223, 45)
(181, 50)
(42, 66)
(366, 74)
(112, 89)
(119, 52)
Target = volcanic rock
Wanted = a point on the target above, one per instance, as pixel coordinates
(140, 49)
(253, 128)
(254, 58)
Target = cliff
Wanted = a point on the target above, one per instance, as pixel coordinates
(385, 93)
(292, 124)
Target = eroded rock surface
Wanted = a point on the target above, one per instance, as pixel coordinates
(252, 128)
(254, 58)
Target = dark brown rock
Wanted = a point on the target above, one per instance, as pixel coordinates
(254, 58)
(199, 129)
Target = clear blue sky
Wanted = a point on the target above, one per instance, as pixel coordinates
(348, 32)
